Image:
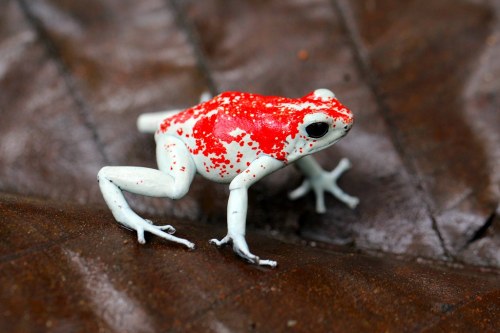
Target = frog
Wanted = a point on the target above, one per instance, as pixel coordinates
(234, 138)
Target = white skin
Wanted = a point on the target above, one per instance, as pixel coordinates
(169, 182)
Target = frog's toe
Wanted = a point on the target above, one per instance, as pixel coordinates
(345, 164)
(140, 236)
(352, 202)
(253, 259)
(240, 247)
(347, 199)
(220, 243)
(168, 228)
(270, 263)
(320, 201)
(300, 191)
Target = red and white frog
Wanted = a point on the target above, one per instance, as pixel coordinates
(234, 138)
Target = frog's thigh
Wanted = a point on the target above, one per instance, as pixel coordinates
(174, 159)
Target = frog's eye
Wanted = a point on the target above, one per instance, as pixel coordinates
(324, 94)
(317, 130)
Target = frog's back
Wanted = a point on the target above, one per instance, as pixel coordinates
(225, 112)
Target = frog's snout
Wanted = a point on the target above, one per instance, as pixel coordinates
(348, 125)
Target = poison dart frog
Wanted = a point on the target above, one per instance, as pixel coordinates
(238, 139)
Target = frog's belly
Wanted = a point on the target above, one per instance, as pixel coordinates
(216, 159)
(224, 168)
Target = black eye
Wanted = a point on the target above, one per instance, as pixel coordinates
(317, 130)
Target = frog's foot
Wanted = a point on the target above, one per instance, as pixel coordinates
(335, 190)
(240, 247)
(326, 182)
(141, 225)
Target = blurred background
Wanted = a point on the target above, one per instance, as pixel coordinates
(422, 81)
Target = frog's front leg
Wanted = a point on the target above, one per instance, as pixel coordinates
(172, 180)
(320, 181)
(238, 204)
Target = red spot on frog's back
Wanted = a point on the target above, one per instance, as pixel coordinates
(267, 120)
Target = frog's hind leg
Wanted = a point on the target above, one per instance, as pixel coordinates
(172, 180)
(149, 122)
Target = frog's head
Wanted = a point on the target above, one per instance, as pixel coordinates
(324, 121)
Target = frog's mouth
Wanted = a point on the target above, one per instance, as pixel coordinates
(325, 145)
(330, 142)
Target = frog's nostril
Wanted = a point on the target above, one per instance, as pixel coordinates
(348, 127)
